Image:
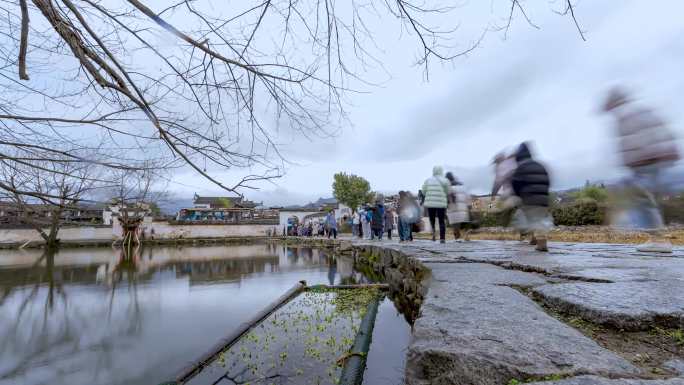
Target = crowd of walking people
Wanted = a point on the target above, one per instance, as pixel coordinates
(327, 227)
(522, 184)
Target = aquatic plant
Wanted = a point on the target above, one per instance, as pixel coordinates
(304, 342)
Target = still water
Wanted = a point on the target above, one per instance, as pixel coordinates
(90, 316)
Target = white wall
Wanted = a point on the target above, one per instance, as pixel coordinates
(162, 230)
(341, 211)
(65, 234)
(284, 215)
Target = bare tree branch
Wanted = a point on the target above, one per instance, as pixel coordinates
(23, 40)
(208, 89)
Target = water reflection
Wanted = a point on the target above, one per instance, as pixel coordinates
(100, 316)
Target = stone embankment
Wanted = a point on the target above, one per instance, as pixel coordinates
(499, 313)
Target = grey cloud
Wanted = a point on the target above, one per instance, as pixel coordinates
(469, 106)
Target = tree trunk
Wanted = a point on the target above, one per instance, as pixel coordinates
(52, 241)
(130, 228)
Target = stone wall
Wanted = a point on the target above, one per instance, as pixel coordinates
(407, 277)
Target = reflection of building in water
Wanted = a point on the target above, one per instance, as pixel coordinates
(303, 256)
(222, 269)
(345, 268)
(200, 264)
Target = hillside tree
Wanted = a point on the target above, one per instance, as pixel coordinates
(352, 190)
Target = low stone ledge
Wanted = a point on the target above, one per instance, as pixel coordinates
(626, 305)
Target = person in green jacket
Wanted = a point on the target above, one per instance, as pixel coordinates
(436, 191)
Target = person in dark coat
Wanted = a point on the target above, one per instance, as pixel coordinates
(389, 222)
(378, 220)
(531, 184)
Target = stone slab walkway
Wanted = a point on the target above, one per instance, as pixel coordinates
(477, 325)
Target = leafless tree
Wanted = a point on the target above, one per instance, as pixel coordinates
(205, 84)
(43, 190)
(135, 192)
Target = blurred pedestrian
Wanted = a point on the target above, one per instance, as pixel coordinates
(436, 190)
(531, 184)
(366, 222)
(649, 150)
(403, 225)
(378, 218)
(331, 224)
(356, 224)
(458, 207)
(409, 212)
(389, 222)
(504, 167)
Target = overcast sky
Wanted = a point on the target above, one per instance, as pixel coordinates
(541, 84)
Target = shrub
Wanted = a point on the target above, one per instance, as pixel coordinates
(582, 212)
(592, 192)
(491, 219)
(673, 210)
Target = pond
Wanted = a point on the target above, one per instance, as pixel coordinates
(90, 316)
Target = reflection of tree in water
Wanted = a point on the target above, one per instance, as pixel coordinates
(332, 271)
(126, 271)
(45, 277)
(31, 338)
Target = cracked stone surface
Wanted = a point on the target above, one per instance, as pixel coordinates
(474, 329)
(623, 305)
(676, 366)
(603, 262)
(593, 380)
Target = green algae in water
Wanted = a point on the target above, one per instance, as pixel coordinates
(304, 342)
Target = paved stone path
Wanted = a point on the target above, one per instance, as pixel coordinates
(477, 327)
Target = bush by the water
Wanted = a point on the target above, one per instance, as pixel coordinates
(582, 212)
(492, 219)
(673, 209)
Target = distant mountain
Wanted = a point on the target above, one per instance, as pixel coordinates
(173, 203)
